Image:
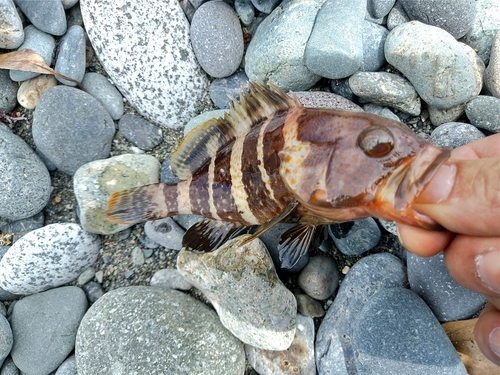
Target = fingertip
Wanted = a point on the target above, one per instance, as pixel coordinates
(487, 333)
(423, 242)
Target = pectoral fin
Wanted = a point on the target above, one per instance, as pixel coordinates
(295, 243)
(207, 235)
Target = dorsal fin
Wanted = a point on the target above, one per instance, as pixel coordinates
(203, 142)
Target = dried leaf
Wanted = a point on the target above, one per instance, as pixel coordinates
(461, 334)
(28, 60)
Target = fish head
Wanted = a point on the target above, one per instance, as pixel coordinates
(344, 165)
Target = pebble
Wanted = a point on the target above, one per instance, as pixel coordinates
(396, 325)
(171, 279)
(6, 339)
(222, 89)
(245, 11)
(429, 278)
(484, 28)
(9, 368)
(355, 237)
(163, 81)
(93, 291)
(8, 89)
(68, 367)
(186, 338)
(99, 87)
(25, 187)
(71, 57)
(341, 87)
(454, 16)
(217, 38)
(70, 134)
(455, 134)
(137, 257)
(320, 277)
(30, 91)
(397, 16)
(11, 28)
(381, 111)
(386, 89)
(238, 278)
(47, 16)
(297, 359)
(47, 257)
(276, 52)
(44, 326)
(86, 276)
(374, 37)
(484, 112)
(308, 306)
(265, 6)
(140, 131)
(433, 61)
(334, 346)
(94, 182)
(335, 48)
(379, 8)
(322, 99)
(166, 173)
(493, 70)
(165, 232)
(40, 42)
(68, 3)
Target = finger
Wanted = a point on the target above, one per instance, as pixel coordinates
(487, 333)
(488, 147)
(423, 242)
(464, 197)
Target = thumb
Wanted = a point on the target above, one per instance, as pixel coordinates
(464, 197)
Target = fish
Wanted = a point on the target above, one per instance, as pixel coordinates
(272, 160)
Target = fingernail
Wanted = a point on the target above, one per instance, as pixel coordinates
(488, 269)
(439, 187)
(494, 339)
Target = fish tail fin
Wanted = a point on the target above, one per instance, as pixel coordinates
(142, 203)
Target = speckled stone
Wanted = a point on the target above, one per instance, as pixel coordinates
(322, 99)
(221, 89)
(140, 131)
(47, 15)
(6, 340)
(484, 112)
(11, 28)
(152, 63)
(170, 278)
(320, 277)
(8, 90)
(493, 70)
(94, 182)
(165, 232)
(455, 134)
(99, 87)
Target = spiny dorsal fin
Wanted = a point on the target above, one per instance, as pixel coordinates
(203, 142)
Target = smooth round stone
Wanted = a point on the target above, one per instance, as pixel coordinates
(68, 367)
(71, 57)
(484, 112)
(68, 3)
(455, 134)
(6, 340)
(379, 8)
(355, 237)
(86, 276)
(276, 52)
(47, 15)
(151, 63)
(397, 16)
(429, 278)
(94, 182)
(48, 257)
(8, 91)
(25, 187)
(320, 277)
(308, 306)
(171, 279)
(217, 38)
(140, 131)
(182, 335)
(166, 232)
(11, 28)
(433, 61)
(9, 368)
(71, 128)
(203, 117)
(40, 42)
(100, 88)
(223, 89)
(93, 291)
(30, 91)
(335, 47)
(265, 6)
(245, 11)
(374, 37)
(386, 89)
(47, 320)
(493, 70)
(322, 99)
(484, 28)
(454, 16)
(395, 329)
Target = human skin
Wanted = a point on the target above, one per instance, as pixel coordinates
(464, 197)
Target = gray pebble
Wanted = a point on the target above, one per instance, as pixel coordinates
(93, 291)
(137, 257)
(9, 368)
(484, 112)
(335, 47)
(148, 242)
(74, 16)
(386, 89)
(322, 99)
(308, 306)
(379, 8)
(25, 188)
(47, 320)
(265, 6)
(71, 128)
(140, 131)
(8, 92)
(454, 16)
(448, 300)
(11, 28)
(99, 87)
(217, 38)
(355, 237)
(245, 10)
(320, 277)
(166, 174)
(455, 134)
(493, 70)
(166, 232)
(68, 367)
(341, 87)
(397, 16)
(68, 3)
(187, 221)
(381, 111)
(23, 226)
(86, 276)
(374, 37)
(170, 278)
(71, 57)
(203, 117)
(6, 339)
(442, 116)
(47, 15)
(222, 89)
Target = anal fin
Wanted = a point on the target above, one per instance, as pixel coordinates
(207, 235)
(295, 243)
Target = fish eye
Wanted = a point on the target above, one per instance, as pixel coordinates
(376, 142)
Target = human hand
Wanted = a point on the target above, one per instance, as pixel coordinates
(464, 197)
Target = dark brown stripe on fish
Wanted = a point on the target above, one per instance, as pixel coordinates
(198, 195)
(170, 194)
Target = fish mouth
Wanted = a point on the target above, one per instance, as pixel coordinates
(407, 182)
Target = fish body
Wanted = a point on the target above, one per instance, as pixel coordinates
(271, 159)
